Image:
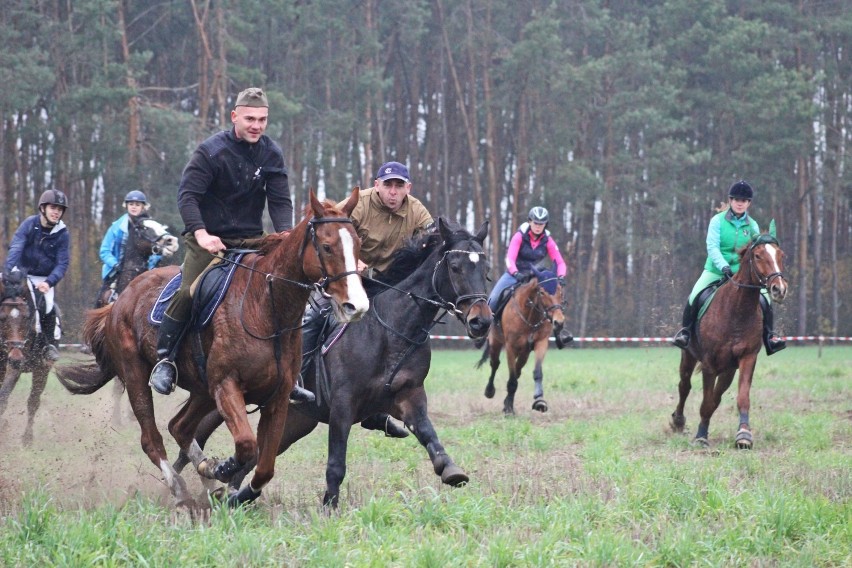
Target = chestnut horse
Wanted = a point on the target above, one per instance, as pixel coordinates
(729, 337)
(380, 363)
(21, 348)
(527, 321)
(253, 346)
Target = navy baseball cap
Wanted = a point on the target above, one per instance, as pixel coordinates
(393, 170)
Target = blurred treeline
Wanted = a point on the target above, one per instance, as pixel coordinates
(628, 120)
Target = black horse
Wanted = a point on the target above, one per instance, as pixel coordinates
(21, 346)
(145, 237)
(379, 364)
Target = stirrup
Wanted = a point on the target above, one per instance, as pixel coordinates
(299, 395)
(163, 378)
(681, 339)
(51, 352)
(774, 344)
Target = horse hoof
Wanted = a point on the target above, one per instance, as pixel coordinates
(677, 423)
(218, 496)
(490, 391)
(701, 443)
(27, 439)
(509, 412)
(454, 475)
(743, 440)
(540, 404)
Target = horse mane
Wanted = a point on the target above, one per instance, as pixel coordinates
(418, 248)
(266, 244)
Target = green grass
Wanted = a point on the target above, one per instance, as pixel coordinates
(598, 480)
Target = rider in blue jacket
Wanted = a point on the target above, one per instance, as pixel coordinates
(115, 239)
(40, 247)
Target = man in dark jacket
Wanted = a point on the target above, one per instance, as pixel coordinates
(40, 248)
(228, 181)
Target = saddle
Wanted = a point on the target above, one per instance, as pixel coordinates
(207, 294)
(703, 301)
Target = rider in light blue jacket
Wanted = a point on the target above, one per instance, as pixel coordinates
(112, 246)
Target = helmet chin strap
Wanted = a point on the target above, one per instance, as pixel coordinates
(47, 221)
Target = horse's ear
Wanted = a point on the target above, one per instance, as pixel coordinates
(483, 232)
(772, 229)
(316, 205)
(444, 230)
(350, 204)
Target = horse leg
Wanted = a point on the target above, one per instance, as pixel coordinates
(744, 440)
(9, 381)
(269, 430)
(687, 366)
(142, 403)
(708, 407)
(117, 392)
(232, 406)
(339, 426)
(182, 428)
(515, 364)
(539, 403)
(39, 383)
(203, 431)
(413, 409)
(494, 346)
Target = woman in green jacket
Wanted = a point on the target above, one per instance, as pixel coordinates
(729, 231)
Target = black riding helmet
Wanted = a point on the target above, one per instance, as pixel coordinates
(741, 190)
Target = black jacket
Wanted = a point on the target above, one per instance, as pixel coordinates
(227, 183)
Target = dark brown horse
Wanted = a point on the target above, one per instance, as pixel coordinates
(527, 321)
(21, 348)
(145, 237)
(380, 364)
(730, 335)
(253, 345)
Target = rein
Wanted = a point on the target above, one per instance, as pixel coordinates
(763, 280)
(442, 304)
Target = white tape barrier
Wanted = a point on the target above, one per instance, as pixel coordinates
(667, 340)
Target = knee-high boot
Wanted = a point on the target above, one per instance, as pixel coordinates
(48, 329)
(164, 374)
(771, 340)
(682, 337)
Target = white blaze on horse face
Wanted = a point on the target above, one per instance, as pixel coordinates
(778, 287)
(357, 295)
(15, 313)
(474, 257)
(168, 242)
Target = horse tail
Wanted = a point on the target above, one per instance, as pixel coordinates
(89, 377)
(484, 357)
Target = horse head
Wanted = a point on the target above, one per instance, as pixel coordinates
(541, 304)
(17, 314)
(765, 261)
(332, 257)
(459, 277)
(156, 238)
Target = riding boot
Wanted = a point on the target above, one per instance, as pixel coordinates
(563, 337)
(771, 340)
(48, 329)
(682, 337)
(383, 423)
(163, 377)
(312, 324)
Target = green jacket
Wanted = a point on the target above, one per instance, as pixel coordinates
(726, 235)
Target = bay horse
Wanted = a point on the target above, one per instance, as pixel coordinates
(527, 321)
(145, 237)
(21, 347)
(253, 345)
(379, 364)
(729, 337)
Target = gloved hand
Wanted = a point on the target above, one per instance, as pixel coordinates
(522, 277)
(728, 272)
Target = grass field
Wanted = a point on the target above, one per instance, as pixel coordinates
(599, 480)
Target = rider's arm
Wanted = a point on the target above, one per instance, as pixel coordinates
(556, 257)
(114, 234)
(16, 248)
(512, 253)
(63, 259)
(714, 243)
(197, 178)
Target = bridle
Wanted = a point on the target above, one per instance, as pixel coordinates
(18, 301)
(546, 314)
(452, 307)
(764, 280)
